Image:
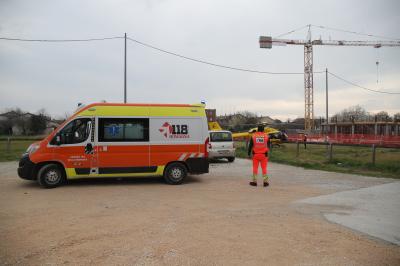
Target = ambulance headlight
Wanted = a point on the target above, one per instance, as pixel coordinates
(32, 148)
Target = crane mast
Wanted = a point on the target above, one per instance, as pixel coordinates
(308, 87)
(268, 42)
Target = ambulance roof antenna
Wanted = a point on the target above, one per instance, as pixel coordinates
(80, 106)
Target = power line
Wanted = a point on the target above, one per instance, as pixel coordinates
(292, 31)
(355, 32)
(359, 86)
(214, 64)
(202, 61)
(161, 50)
(61, 40)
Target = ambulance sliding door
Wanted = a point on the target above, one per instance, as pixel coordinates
(123, 145)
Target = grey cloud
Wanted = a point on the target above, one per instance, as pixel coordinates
(57, 76)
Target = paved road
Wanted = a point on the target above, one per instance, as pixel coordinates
(213, 219)
(374, 210)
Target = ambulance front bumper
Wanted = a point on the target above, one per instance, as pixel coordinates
(26, 167)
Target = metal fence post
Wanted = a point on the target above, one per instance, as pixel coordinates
(297, 149)
(8, 145)
(330, 152)
(373, 153)
(270, 149)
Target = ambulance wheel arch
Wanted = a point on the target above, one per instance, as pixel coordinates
(50, 174)
(175, 173)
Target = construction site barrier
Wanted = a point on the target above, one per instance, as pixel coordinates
(352, 139)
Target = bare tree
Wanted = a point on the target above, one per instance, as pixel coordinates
(352, 114)
(38, 122)
(20, 120)
(396, 117)
(250, 118)
(383, 116)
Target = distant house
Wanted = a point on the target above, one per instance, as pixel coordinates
(266, 120)
(51, 125)
(19, 123)
(231, 122)
(15, 123)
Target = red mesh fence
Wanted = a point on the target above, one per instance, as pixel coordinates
(355, 139)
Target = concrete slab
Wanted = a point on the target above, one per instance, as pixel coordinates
(374, 210)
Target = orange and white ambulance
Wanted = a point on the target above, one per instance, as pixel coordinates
(122, 140)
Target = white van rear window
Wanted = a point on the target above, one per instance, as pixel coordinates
(220, 136)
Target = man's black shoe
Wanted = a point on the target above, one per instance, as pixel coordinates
(253, 183)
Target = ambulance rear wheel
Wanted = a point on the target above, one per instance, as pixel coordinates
(175, 173)
(50, 176)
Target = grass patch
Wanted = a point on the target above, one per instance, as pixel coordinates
(15, 150)
(346, 159)
(33, 138)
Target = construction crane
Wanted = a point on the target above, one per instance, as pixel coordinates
(268, 42)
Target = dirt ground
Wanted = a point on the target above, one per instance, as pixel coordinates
(212, 219)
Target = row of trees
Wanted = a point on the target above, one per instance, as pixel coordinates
(16, 121)
(243, 121)
(357, 114)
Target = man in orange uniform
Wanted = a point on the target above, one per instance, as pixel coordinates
(258, 146)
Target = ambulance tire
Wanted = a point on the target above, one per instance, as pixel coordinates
(175, 173)
(50, 176)
(231, 159)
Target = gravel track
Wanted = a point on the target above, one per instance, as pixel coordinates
(212, 219)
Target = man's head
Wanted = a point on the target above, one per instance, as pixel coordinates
(260, 128)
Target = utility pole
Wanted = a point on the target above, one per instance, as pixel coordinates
(326, 131)
(125, 72)
(326, 92)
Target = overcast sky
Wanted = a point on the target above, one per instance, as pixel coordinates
(56, 76)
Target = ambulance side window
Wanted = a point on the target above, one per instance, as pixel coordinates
(123, 129)
(76, 131)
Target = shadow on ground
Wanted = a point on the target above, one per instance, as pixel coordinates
(112, 181)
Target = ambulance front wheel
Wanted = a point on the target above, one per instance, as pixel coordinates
(175, 173)
(50, 176)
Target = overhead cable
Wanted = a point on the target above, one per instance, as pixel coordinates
(292, 31)
(359, 86)
(217, 65)
(61, 40)
(354, 32)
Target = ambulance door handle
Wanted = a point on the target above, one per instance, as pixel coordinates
(89, 148)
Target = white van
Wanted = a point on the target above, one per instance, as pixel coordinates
(221, 145)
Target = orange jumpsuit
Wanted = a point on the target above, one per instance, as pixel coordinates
(259, 148)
